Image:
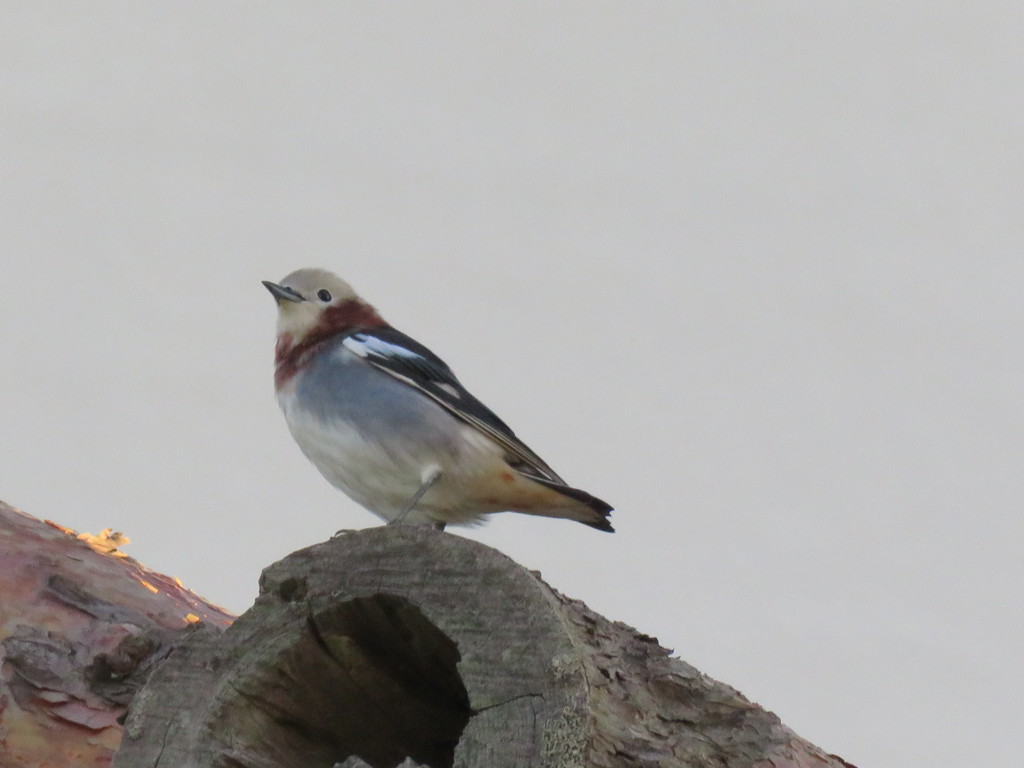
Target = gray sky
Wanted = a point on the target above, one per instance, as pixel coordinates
(752, 272)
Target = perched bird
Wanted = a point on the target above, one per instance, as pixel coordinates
(386, 421)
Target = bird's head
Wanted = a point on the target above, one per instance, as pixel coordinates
(314, 304)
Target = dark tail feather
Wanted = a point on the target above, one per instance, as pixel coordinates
(601, 509)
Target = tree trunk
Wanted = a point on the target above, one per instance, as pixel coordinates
(405, 645)
(394, 646)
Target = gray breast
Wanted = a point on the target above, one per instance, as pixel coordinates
(340, 386)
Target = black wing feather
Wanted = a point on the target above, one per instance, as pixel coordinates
(428, 373)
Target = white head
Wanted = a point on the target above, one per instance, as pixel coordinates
(314, 304)
(304, 296)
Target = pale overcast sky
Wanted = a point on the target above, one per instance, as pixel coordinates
(752, 272)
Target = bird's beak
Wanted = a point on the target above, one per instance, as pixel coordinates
(280, 293)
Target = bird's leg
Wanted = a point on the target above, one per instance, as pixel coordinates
(429, 478)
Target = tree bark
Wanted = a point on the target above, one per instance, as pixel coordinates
(81, 626)
(405, 645)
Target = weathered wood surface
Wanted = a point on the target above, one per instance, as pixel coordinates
(405, 645)
(80, 627)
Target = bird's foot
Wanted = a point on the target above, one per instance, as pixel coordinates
(429, 479)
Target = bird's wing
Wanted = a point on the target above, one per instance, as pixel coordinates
(412, 363)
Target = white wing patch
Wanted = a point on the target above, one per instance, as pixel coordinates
(449, 389)
(364, 346)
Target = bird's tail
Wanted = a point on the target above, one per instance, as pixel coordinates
(590, 510)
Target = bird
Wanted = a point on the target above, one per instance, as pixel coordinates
(387, 422)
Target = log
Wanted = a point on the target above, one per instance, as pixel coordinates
(407, 646)
(81, 626)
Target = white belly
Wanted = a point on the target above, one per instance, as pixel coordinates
(381, 467)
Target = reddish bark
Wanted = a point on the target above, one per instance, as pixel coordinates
(80, 627)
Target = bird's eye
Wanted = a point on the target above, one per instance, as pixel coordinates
(324, 295)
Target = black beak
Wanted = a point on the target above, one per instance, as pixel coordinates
(280, 293)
